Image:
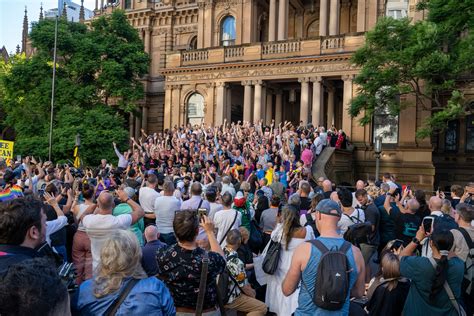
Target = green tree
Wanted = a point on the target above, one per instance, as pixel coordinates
(424, 59)
(97, 82)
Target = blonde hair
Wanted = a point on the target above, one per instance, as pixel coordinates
(245, 233)
(120, 258)
(391, 269)
(446, 208)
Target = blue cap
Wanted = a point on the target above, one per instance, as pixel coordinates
(329, 207)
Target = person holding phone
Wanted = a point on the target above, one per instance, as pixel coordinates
(180, 265)
(429, 276)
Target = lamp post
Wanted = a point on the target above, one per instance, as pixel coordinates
(378, 151)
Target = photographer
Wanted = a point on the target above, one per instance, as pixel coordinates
(180, 265)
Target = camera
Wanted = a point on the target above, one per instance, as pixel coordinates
(202, 212)
(67, 273)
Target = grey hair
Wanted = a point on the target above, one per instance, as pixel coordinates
(234, 237)
(295, 200)
(168, 186)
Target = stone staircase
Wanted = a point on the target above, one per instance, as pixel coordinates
(336, 165)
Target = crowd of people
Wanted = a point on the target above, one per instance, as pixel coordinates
(218, 220)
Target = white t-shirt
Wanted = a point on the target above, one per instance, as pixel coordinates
(165, 206)
(222, 221)
(99, 227)
(357, 216)
(147, 197)
(215, 207)
(53, 226)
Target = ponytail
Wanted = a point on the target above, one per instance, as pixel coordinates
(291, 221)
(442, 241)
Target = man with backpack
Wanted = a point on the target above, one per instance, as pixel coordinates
(463, 247)
(325, 266)
(236, 292)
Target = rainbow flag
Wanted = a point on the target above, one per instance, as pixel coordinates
(11, 193)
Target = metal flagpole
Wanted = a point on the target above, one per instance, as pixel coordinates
(52, 87)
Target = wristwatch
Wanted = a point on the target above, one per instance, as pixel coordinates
(416, 241)
(128, 199)
(388, 193)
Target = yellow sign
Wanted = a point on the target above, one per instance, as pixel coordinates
(6, 149)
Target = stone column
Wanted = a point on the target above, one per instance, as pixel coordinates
(167, 107)
(334, 17)
(272, 21)
(138, 125)
(220, 103)
(201, 29)
(145, 118)
(268, 108)
(346, 103)
(323, 18)
(146, 40)
(304, 102)
(247, 100)
(278, 107)
(257, 101)
(316, 110)
(330, 122)
(176, 107)
(361, 16)
(228, 105)
(131, 131)
(283, 20)
(96, 5)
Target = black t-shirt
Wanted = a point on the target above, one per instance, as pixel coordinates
(406, 225)
(372, 215)
(305, 203)
(389, 303)
(327, 194)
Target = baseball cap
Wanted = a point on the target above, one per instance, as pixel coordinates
(329, 207)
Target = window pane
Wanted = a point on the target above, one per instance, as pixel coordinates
(451, 137)
(470, 133)
(228, 31)
(386, 126)
(195, 108)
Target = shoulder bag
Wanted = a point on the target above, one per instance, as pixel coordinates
(112, 310)
(460, 311)
(202, 284)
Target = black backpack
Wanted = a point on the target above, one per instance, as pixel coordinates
(223, 283)
(332, 277)
(359, 232)
(467, 287)
(310, 222)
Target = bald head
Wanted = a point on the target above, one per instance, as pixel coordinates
(151, 233)
(360, 185)
(334, 196)
(327, 186)
(106, 201)
(435, 204)
(413, 205)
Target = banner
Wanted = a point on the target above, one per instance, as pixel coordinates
(6, 149)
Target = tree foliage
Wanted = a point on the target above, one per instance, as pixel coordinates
(425, 59)
(97, 82)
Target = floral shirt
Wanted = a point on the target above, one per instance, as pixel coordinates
(236, 269)
(180, 269)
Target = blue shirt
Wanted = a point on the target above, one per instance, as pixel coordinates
(149, 263)
(148, 297)
(421, 272)
(306, 306)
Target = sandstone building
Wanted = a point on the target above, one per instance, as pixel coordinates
(213, 60)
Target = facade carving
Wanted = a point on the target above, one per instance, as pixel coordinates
(271, 59)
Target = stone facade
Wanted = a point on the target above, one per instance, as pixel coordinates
(235, 60)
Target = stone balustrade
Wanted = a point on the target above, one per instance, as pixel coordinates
(327, 45)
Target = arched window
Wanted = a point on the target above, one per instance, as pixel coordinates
(313, 29)
(228, 31)
(195, 109)
(193, 43)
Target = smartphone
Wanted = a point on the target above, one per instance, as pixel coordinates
(408, 187)
(428, 224)
(202, 212)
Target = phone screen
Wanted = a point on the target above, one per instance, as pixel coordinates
(428, 224)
